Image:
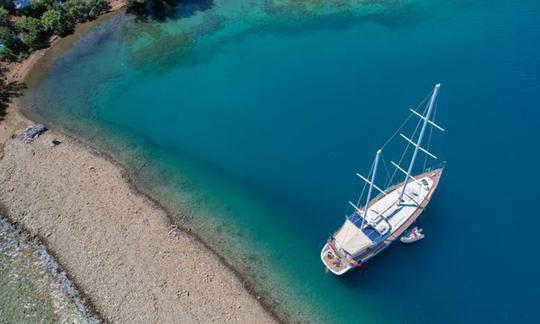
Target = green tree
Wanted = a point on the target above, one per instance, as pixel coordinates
(38, 20)
(54, 21)
(8, 5)
(10, 45)
(4, 17)
(83, 10)
(32, 31)
(37, 7)
(7, 36)
(8, 39)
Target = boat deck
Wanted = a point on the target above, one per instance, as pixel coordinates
(334, 261)
(368, 230)
(340, 262)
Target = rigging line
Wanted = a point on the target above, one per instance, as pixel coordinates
(431, 131)
(420, 121)
(397, 131)
(428, 142)
(406, 148)
(390, 179)
(424, 102)
(406, 120)
(435, 111)
(425, 99)
(387, 181)
(427, 147)
(347, 206)
(365, 184)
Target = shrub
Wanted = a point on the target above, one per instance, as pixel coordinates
(84, 10)
(4, 17)
(36, 8)
(38, 20)
(32, 30)
(55, 21)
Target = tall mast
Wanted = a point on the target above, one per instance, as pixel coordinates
(371, 184)
(420, 137)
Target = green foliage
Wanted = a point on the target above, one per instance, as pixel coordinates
(84, 10)
(55, 21)
(32, 30)
(8, 5)
(39, 20)
(8, 39)
(4, 17)
(37, 7)
(7, 36)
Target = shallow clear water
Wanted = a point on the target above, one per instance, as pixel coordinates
(255, 116)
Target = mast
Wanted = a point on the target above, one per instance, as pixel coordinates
(420, 137)
(372, 180)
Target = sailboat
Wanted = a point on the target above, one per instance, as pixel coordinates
(383, 219)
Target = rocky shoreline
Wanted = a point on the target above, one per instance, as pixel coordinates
(116, 244)
(17, 246)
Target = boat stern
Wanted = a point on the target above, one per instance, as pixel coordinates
(334, 261)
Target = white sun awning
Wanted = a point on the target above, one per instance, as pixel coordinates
(351, 239)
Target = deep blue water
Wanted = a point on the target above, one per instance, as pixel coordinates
(258, 117)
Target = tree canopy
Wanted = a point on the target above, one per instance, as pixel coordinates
(28, 28)
(32, 31)
(54, 21)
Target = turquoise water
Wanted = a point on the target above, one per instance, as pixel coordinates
(254, 116)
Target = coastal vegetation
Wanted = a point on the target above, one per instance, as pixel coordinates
(26, 28)
(8, 91)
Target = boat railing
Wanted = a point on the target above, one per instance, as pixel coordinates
(436, 166)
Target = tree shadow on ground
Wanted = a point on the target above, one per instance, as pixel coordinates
(163, 10)
(8, 91)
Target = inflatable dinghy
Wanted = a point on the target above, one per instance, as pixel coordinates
(413, 235)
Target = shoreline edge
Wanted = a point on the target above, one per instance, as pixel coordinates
(16, 119)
